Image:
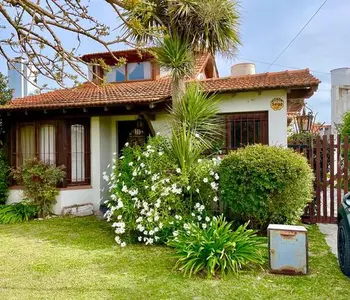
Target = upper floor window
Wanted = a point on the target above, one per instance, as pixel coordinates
(131, 72)
(139, 71)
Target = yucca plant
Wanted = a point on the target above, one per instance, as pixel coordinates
(17, 213)
(217, 249)
(176, 56)
(195, 126)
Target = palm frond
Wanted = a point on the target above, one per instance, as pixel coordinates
(198, 113)
(175, 55)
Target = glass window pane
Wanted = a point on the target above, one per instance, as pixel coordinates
(26, 144)
(120, 74)
(139, 71)
(77, 153)
(47, 140)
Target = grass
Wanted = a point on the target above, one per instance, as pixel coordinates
(76, 258)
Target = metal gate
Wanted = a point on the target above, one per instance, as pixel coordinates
(329, 158)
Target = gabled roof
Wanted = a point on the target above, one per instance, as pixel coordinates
(144, 92)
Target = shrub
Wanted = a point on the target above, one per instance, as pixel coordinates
(217, 249)
(4, 170)
(17, 212)
(150, 196)
(39, 181)
(266, 184)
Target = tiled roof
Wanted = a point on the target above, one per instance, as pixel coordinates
(158, 90)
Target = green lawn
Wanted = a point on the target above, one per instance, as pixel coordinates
(76, 258)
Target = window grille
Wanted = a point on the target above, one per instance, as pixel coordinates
(79, 153)
(244, 129)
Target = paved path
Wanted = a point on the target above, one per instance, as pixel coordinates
(330, 231)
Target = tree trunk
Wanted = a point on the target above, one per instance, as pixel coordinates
(178, 89)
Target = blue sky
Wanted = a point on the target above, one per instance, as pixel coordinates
(266, 28)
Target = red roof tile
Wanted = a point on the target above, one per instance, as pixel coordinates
(158, 90)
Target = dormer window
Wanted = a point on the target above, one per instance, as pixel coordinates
(131, 72)
(139, 71)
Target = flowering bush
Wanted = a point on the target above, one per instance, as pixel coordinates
(150, 196)
(216, 248)
(39, 181)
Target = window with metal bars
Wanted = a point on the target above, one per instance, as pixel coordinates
(244, 129)
(61, 142)
(79, 153)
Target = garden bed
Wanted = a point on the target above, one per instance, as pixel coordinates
(77, 258)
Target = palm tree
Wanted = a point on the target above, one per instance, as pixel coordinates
(181, 28)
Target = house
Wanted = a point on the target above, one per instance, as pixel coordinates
(83, 127)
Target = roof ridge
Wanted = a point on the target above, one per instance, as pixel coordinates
(259, 74)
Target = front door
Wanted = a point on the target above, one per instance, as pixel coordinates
(132, 132)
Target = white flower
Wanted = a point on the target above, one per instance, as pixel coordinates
(188, 188)
(160, 153)
(199, 160)
(145, 232)
(178, 170)
(134, 173)
(151, 232)
(186, 226)
(215, 199)
(193, 215)
(197, 190)
(122, 157)
(204, 225)
(216, 176)
(196, 135)
(117, 239)
(126, 144)
(205, 180)
(142, 165)
(131, 163)
(140, 238)
(211, 173)
(149, 147)
(207, 219)
(156, 218)
(124, 189)
(120, 217)
(139, 219)
(199, 218)
(197, 205)
(214, 186)
(175, 233)
(153, 188)
(123, 244)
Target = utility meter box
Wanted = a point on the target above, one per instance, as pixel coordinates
(288, 249)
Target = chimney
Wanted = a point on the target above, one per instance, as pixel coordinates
(20, 85)
(243, 69)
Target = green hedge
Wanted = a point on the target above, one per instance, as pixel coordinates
(266, 184)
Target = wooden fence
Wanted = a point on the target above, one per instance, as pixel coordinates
(329, 158)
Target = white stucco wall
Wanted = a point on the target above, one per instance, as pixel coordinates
(253, 101)
(104, 143)
(161, 124)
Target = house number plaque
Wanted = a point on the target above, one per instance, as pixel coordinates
(277, 104)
